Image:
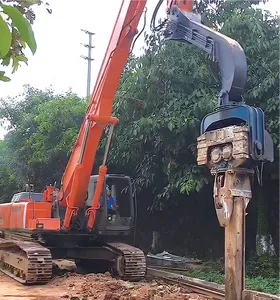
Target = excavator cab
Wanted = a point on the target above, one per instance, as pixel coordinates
(117, 206)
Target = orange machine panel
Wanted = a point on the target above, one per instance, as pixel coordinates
(40, 210)
(44, 224)
(17, 215)
(5, 213)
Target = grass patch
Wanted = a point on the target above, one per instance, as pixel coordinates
(264, 266)
(258, 283)
(266, 285)
(211, 275)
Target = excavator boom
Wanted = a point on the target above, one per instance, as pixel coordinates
(76, 177)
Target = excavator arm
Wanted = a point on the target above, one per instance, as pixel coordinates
(185, 26)
(73, 191)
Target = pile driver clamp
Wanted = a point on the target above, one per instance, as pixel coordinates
(233, 139)
(233, 143)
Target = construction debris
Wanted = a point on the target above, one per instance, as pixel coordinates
(75, 286)
(170, 260)
(104, 287)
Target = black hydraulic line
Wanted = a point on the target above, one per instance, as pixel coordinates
(153, 26)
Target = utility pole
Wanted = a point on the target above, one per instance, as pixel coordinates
(88, 58)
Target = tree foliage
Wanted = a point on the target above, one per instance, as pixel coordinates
(42, 129)
(8, 184)
(16, 19)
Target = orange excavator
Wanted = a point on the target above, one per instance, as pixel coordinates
(91, 218)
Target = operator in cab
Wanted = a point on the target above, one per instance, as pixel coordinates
(111, 204)
(111, 201)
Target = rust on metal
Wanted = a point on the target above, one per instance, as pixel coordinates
(202, 287)
(227, 145)
(224, 139)
(253, 295)
(235, 251)
(131, 262)
(26, 262)
(224, 151)
(227, 185)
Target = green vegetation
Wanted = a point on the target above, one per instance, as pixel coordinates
(261, 284)
(257, 283)
(161, 100)
(264, 266)
(43, 128)
(262, 274)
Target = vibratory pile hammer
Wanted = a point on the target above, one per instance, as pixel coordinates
(233, 143)
(91, 218)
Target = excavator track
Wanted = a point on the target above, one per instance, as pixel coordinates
(26, 262)
(131, 263)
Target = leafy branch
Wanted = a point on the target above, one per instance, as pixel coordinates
(16, 19)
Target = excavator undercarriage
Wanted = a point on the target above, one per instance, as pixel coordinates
(27, 256)
(26, 262)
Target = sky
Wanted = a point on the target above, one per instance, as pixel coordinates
(57, 62)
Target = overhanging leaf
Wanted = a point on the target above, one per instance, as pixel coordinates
(22, 58)
(3, 77)
(22, 25)
(5, 38)
(6, 60)
(17, 60)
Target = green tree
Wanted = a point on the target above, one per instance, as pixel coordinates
(7, 179)
(42, 130)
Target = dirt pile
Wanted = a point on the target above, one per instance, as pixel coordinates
(104, 287)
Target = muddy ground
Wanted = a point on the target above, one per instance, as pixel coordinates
(74, 286)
